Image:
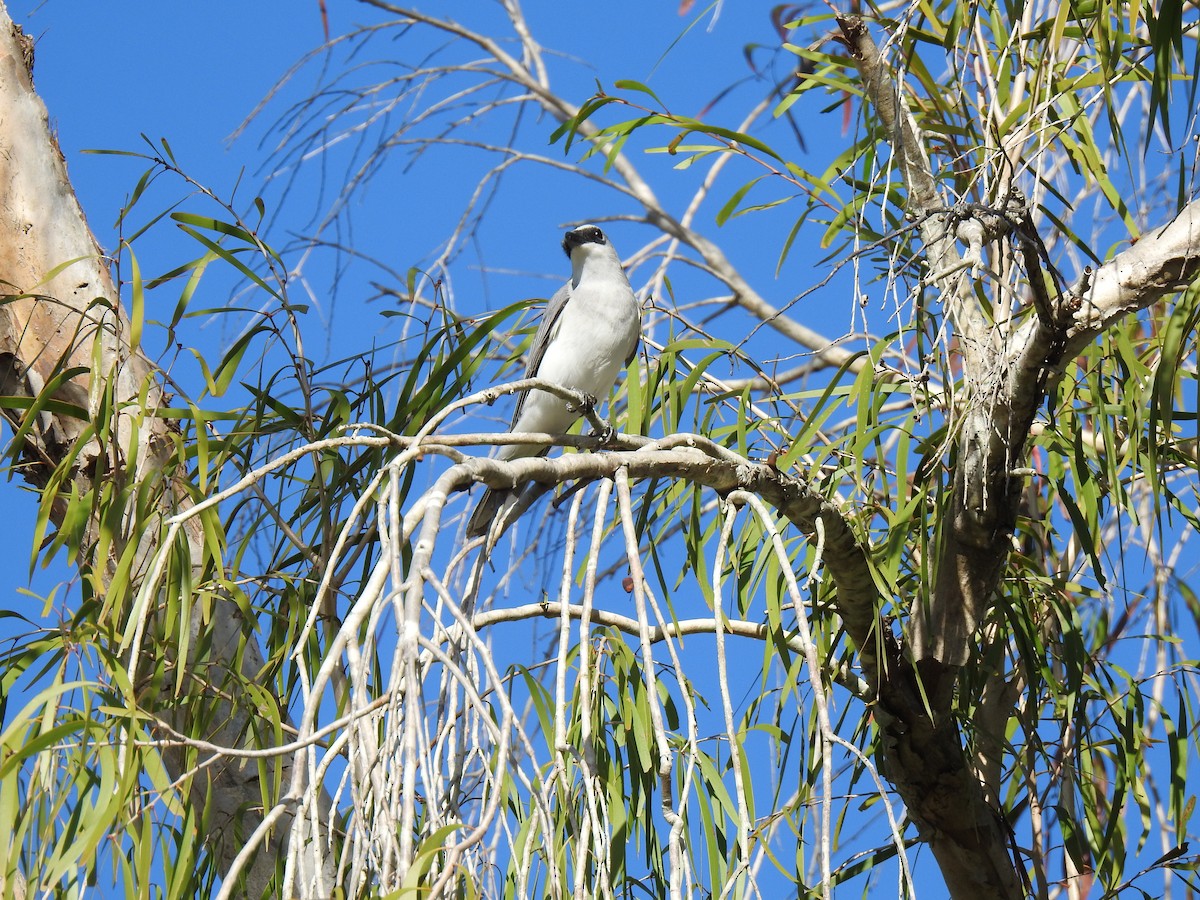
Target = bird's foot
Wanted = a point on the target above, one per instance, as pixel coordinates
(605, 435)
(586, 403)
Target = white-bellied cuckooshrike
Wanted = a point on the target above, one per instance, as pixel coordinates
(589, 333)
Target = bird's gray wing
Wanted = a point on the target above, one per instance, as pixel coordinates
(541, 341)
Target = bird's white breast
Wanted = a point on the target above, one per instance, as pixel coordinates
(594, 335)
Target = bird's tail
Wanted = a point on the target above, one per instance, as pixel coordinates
(488, 508)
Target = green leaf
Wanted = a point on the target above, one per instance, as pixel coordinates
(628, 85)
(137, 300)
(732, 203)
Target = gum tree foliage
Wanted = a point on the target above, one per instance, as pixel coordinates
(851, 608)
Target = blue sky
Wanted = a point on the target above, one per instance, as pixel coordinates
(191, 74)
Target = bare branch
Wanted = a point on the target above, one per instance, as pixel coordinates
(946, 265)
(857, 597)
(1163, 261)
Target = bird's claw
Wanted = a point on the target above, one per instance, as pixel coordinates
(586, 402)
(606, 435)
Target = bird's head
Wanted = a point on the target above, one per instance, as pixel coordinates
(590, 251)
(585, 237)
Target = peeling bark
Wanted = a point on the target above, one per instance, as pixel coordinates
(920, 742)
(1162, 262)
(1006, 373)
(62, 330)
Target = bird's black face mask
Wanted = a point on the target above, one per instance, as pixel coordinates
(587, 235)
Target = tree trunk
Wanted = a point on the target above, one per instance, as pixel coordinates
(63, 334)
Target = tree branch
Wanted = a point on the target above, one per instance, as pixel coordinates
(946, 266)
(857, 597)
(1161, 262)
(920, 739)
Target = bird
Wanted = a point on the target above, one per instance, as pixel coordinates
(588, 334)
